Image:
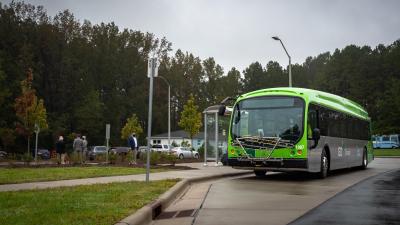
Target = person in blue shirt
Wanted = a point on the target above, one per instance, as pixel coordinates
(133, 144)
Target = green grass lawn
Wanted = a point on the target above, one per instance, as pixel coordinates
(86, 204)
(386, 152)
(21, 175)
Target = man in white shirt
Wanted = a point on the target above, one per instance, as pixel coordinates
(133, 144)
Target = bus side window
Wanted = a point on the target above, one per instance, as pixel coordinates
(312, 121)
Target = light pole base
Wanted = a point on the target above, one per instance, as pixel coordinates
(218, 164)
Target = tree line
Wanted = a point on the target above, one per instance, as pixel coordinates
(91, 74)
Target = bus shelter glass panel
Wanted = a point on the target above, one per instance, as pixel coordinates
(223, 125)
(210, 141)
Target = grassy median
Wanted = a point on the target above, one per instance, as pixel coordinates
(21, 175)
(87, 204)
(386, 152)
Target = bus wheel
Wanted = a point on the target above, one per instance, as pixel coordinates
(324, 165)
(260, 173)
(365, 160)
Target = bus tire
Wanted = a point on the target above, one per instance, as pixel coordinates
(364, 160)
(324, 165)
(260, 173)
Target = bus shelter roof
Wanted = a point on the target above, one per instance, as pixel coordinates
(211, 109)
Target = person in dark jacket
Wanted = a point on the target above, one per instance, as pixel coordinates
(60, 149)
(133, 144)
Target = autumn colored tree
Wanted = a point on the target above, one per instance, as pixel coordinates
(132, 125)
(190, 118)
(29, 109)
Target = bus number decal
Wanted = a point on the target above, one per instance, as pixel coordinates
(299, 147)
(340, 151)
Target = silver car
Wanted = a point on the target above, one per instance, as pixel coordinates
(96, 150)
(185, 153)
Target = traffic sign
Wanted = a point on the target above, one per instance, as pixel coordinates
(152, 67)
(107, 131)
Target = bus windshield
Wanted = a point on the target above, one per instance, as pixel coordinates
(269, 116)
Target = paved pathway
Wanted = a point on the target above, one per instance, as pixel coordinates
(198, 171)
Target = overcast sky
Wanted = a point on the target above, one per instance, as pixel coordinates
(238, 32)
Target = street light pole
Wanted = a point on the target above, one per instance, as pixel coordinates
(37, 130)
(290, 59)
(169, 111)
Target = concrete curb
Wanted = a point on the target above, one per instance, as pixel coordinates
(387, 156)
(150, 211)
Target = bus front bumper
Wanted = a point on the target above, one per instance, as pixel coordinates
(275, 164)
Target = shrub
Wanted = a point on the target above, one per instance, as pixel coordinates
(171, 158)
(122, 156)
(155, 158)
(129, 156)
(112, 158)
(74, 158)
(185, 144)
(174, 144)
(27, 158)
(100, 157)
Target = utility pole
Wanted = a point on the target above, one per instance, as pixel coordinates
(152, 71)
(37, 130)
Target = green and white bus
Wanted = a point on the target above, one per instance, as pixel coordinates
(297, 129)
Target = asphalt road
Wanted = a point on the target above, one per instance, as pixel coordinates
(280, 198)
(375, 200)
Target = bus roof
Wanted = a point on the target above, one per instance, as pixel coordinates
(322, 98)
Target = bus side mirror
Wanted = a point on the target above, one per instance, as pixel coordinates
(316, 135)
(221, 110)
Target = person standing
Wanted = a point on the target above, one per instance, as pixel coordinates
(60, 149)
(78, 147)
(85, 144)
(133, 144)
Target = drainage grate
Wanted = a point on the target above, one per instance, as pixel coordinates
(176, 214)
(166, 215)
(185, 213)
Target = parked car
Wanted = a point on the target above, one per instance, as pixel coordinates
(141, 151)
(95, 151)
(119, 150)
(185, 153)
(160, 148)
(3, 154)
(123, 151)
(43, 153)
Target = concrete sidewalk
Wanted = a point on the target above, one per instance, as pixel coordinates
(199, 171)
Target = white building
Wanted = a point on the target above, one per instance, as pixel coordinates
(180, 136)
